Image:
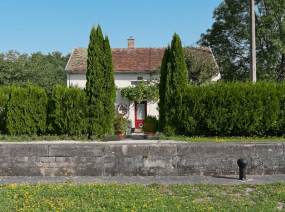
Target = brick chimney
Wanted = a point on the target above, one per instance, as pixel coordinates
(131, 43)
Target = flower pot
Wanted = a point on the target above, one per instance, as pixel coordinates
(121, 134)
(150, 133)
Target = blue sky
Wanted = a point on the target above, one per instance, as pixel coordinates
(60, 25)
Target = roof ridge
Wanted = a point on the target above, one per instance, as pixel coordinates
(126, 48)
(141, 48)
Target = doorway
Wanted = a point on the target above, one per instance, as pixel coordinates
(140, 114)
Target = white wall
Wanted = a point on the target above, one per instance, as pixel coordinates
(124, 80)
(76, 79)
(121, 81)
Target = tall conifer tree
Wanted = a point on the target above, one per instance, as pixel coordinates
(95, 86)
(162, 84)
(110, 91)
(176, 81)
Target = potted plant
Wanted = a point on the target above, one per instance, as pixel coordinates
(150, 125)
(120, 125)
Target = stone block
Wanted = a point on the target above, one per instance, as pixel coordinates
(22, 159)
(135, 150)
(47, 159)
(201, 151)
(268, 150)
(153, 163)
(72, 150)
(60, 159)
(28, 150)
(163, 150)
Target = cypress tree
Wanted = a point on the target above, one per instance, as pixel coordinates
(162, 84)
(176, 81)
(95, 79)
(100, 84)
(110, 92)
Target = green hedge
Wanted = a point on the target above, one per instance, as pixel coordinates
(67, 111)
(26, 111)
(4, 96)
(234, 109)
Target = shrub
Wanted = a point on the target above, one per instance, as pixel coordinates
(234, 109)
(120, 124)
(4, 96)
(67, 111)
(27, 111)
(150, 124)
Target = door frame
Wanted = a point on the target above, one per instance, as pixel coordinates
(145, 107)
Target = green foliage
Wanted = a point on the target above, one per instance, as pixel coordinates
(111, 138)
(142, 90)
(100, 86)
(120, 124)
(234, 109)
(68, 111)
(150, 124)
(175, 87)
(45, 71)
(4, 96)
(162, 84)
(27, 111)
(158, 136)
(201, 67)
(110, 90)
(230, 33)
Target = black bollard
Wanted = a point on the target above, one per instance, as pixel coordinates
(242, 164)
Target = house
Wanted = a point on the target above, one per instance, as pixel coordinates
(131, 65)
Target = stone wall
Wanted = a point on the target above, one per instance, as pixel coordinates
(103, 159)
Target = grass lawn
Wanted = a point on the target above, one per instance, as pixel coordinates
(134, 197)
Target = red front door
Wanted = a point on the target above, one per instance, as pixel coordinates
(140, 114)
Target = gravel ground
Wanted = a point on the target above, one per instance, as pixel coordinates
(223, 180)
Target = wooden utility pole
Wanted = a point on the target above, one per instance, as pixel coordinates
(252, 74)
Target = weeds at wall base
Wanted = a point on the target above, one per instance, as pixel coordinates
(158, 137)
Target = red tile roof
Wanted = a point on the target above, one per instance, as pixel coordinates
(124, 59)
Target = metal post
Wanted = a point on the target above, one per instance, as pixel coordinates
(252, 43)
(242, 163)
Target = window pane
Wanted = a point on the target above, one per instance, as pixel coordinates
(134, 82)
(140, 111)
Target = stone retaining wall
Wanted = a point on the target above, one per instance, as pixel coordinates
(103, 159)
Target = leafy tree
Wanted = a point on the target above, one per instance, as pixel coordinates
(100, 84)
(200, 65)
(13, 68)
(176, 82)
(230, 33)
(41, 70)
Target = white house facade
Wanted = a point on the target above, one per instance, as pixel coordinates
(131, 65)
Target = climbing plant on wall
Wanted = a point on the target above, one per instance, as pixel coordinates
(142, 90)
